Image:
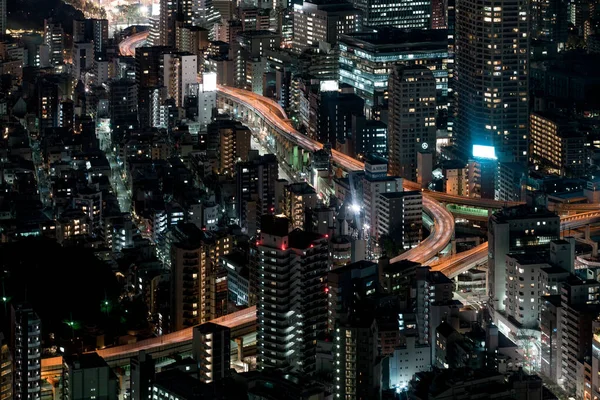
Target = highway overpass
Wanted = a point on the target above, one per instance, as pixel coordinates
(295, 149)
(242, 324)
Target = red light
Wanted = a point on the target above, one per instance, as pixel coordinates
(326, 235)
(326, 290)
(283, 247)
(312, 245)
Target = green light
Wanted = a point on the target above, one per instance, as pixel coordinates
(106, 303)
(5, 299)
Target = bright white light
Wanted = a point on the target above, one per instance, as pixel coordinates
(209, 82)
(367, 226)
(144, 10)
(329, 86)
(488, 152)
(355, 208)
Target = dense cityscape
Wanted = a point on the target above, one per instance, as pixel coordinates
(306, 200)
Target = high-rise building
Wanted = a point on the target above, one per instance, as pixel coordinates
(515, 230)
(167, 23)
(348, 286)
(299, 199)
(356, 361)
(292, 300)
(400, 217)
(149, 78)
(549, 312)
(492, 80)
(211, 347)
(123, 99)
(207, 99)
(26, 339)
(83, 59)
(579, 308)
(522, 291)
(180, 70)
(322, 21)
(92, 30)
(399, 14)
(142, 370)
(86, 376)
(54, 39)
(374, 182)
(255, 187)
(412, 115)
(234, 143)
(367, 59)
(330, 115)
(556, 145)
(192, 300)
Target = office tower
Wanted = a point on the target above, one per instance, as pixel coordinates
(330, 115)
(515, 230)
(192, 300)
(556, 145)
(299, 199)
(412, 115)
(83, 59)
(349, 286)
(86, 376)
(406, 360)
(142, 371)
(53, 38)
(233, 143)
(255, 190)
(404, 14)
(369, 136)
(579, 308)
(367, 59)
(6, 370)
(180, 70)
(292, 300)
(26, 340)
(400, 217)
(211, 348)
(492, 80)
(321, 21)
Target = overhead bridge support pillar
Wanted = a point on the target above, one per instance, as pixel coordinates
(240, 348)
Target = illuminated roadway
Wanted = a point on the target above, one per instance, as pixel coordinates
(478, 255)
(127, 47)
(273, 114)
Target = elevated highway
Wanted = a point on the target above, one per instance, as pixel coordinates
(291, 146)
(127, 47)
(476, 256)
(242, 324)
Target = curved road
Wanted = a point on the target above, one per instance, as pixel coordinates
(460, 262)
(127, 47)
(441, 233)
